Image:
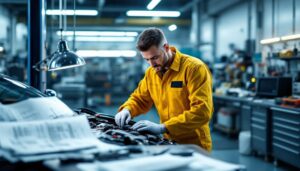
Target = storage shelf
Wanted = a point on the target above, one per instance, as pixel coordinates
(291, 58)
(294, 58)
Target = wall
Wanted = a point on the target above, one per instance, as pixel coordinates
(283, 18)
(231, 28)
(4, 23)
(207, 38)
(21, 37)
(232, 24)
(283, 25)
(13, 34)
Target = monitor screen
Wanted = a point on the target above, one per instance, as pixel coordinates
(267, 87)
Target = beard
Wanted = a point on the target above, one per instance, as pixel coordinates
(161, 68)
(157, 68)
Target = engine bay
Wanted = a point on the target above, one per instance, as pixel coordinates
(105, 128)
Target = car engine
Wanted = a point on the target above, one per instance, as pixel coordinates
(106, 130)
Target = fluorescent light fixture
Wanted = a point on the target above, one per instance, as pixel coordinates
(153, 4)
(172, 27)
(134, 13)
(97, 33)
(290, 37)
(71, 12)
(102, 39)
(106, 53)
(271, 40)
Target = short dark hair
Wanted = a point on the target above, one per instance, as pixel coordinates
(149, 37)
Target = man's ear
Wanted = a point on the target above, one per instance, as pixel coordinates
(167, 47)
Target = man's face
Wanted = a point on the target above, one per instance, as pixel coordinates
(156, 57)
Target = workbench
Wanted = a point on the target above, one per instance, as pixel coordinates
(275, 129)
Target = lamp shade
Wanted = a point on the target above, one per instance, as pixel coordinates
(63, 58)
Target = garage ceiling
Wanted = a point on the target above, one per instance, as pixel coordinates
(113, 12)
(117, 8)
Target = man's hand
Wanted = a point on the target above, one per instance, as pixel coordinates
(122, 118)
(148, 126)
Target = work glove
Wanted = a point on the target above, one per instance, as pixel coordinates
(122, 118)
(150, 127)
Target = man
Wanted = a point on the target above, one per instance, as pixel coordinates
(180, 87)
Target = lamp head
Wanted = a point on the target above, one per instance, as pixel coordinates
(63, 58)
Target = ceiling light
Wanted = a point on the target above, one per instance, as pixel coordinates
(153, 4)
(1, 48)
(106, 53)
(290, 37)
(71, 12)
(97, 33)
(271, 40)
(103, 39)
(153, 13)
(172, 27)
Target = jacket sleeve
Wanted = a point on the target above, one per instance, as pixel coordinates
(199, 85)
(140, 100)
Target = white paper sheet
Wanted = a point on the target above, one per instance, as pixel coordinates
(38, 137)
(149, 163)
(206, 163)
(76, 154)
(39, 108)
(163, 162)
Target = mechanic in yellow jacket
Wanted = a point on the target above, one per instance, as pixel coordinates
(180, 87)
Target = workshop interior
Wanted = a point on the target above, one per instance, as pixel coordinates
(66, 67)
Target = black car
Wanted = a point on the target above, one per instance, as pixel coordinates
(12, 91)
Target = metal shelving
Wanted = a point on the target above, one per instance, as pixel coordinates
(286, 135)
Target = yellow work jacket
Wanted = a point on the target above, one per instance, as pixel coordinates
(182, 97)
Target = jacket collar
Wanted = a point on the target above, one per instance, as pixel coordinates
(176, 62)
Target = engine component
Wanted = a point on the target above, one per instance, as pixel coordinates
(106, 130)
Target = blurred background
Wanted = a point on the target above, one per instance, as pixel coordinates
(244, 42)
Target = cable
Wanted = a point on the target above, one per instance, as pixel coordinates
(65, 16)
(74, 25)
(273, 18)
(294, 16)
(60, 19)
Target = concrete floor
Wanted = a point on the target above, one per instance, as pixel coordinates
(227, 151)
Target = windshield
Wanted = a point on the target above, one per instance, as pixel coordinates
(12, 91)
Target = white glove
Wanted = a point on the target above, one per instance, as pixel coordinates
(122, 118)
(148, 126)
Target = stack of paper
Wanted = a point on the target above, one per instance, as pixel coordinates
(46, 139)
(39, 108)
